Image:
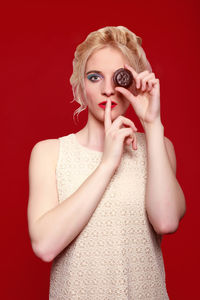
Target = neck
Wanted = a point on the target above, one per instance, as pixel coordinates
(93, 134)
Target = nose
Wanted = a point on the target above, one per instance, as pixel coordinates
(108, 87)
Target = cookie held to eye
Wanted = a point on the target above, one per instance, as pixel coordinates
(123, 77)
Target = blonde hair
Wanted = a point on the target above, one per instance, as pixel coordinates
(118, 37)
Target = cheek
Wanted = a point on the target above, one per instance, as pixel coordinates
(90, 91)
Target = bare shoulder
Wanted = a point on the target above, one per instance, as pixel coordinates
(47, 148)
(43, 194)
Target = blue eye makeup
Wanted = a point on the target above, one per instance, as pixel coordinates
(94, 77)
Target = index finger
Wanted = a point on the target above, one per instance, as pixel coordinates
(107, 115)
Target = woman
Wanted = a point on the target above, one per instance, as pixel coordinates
(101, 199)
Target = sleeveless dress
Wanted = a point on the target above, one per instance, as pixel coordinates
(117, 255)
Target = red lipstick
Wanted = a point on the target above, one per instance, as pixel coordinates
(103, 104)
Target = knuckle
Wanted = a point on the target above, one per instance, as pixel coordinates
(130, 130)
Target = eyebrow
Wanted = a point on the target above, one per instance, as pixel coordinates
(93, 71)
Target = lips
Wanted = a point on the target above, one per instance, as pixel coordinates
(104, 103)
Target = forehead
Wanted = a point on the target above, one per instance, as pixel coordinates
(105, 59)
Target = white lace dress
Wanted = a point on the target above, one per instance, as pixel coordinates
(117, 256)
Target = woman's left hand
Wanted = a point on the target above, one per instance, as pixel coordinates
(146, 101)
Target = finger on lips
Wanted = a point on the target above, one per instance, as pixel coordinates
(107, 119)
(116, 123)
(108, 123)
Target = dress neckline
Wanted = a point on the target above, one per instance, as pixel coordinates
(86, 148)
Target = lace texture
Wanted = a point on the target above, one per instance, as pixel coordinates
(117, 256)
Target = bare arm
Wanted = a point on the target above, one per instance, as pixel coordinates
(52, 226)
(165, 201)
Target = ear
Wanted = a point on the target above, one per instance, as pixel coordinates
(171, 153)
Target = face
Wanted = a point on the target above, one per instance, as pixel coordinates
(99, 84)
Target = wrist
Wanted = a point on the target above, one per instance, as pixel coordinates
(156, 125)
(107, 168)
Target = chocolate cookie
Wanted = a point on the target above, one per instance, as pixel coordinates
(123, 77)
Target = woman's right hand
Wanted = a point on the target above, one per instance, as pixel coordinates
(116, 135)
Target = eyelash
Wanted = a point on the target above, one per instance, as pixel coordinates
(93, 75)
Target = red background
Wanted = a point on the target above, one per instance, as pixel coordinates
(38, 40)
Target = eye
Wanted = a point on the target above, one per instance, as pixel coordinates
(93, 77)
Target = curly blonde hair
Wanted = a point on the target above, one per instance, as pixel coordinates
(118, 37)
